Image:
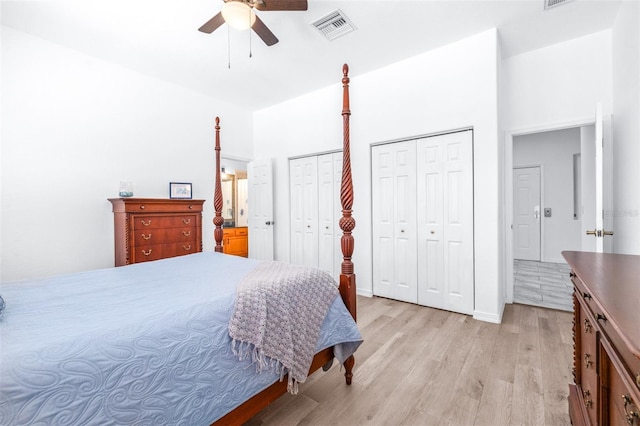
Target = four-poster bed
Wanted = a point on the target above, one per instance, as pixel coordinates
(347, 284)
(150, 343)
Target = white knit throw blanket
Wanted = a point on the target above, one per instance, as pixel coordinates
(278, 312)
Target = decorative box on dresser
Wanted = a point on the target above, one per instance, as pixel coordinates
(606, 332)
(154, 228)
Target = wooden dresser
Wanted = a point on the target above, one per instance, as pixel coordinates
(235, 241)
(606, 332)
(153, 228)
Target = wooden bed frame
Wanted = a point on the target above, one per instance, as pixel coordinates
(347, 278)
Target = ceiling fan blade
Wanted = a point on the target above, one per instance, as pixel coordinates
(212, 24)
(264, 33)
(268, 5)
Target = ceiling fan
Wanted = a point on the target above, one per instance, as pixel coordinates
(239, 14)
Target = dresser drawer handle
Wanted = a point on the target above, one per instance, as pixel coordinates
(190, 207)
(186, 233)
(141, 206)
(600, 317)
(587, 360)
(587, 326)
(186, 221)
(187, 248)
(588, 402)
(586, 295)
(638, 379)
(147, 223)
(148, 237)
(146, 253)
(572, 274)
(630, 414)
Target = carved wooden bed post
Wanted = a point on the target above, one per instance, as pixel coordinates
(217, 195)
(347, 222)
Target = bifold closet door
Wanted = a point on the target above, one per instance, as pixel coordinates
(303, 181)
(394, 221)
(445, 221)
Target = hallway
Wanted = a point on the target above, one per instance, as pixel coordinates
(542, 284)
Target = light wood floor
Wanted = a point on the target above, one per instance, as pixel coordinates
(422, 366)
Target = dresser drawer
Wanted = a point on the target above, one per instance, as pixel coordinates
(160, 206)
(162, 251)
(146, 222)
(144, 237)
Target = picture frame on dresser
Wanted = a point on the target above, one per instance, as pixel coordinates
(180, 190)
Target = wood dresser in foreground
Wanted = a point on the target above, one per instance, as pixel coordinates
(154, 228)
(606, 332)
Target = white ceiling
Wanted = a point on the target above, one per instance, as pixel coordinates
(160, 38)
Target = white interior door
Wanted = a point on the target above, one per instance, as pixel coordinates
(394, 221)
(526, 213)
(597, 186)
(445, 222)
(260, 223)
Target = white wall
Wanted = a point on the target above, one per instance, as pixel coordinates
(626, 129)
(73, 127)
(553, 151)
(548, 89)
(559, 84)
(448, 88)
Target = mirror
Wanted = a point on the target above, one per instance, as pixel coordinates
(235, 186)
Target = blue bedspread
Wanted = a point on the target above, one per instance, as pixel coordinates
(145, 344)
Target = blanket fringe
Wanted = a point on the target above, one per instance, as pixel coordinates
(244, 350)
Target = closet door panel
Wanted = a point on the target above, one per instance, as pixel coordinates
(337, 214)
(303, 175)
(458, 219)
(326, 218)
(394, 222)
(445, 222)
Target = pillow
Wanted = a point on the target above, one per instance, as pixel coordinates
(2, 305)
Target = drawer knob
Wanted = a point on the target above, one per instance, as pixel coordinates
(141, 206)
(187, 248)
(186, 233)
(148, 237)
(147, 223)
(186, 221)
(190, 207)
(146, 253)
(600, 317)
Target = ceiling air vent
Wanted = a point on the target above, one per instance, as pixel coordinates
(334, 25)
(548, 4)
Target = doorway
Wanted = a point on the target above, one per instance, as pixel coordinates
(564, 203)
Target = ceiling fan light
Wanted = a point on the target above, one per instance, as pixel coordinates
(238, 15)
